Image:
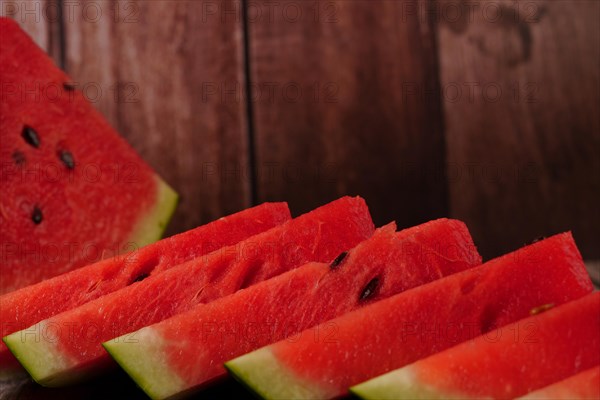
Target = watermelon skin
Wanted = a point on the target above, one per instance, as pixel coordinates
(186, 352)
(419, 322)
(68, 346)
(75, 191)
(582, 386)
(23, 308)
(527, 355)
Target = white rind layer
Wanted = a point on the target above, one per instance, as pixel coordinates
(400, 384)
(151, 227)
(261, 372)
(141, 355)
(35, 350)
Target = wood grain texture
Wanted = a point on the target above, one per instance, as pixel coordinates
(41, 19)
(334, 110)
(523, 131)
(152, 68)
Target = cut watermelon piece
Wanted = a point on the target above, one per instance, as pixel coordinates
(72, 188)
(23, 308)
(68, 346)
(582, 386)
(512, 361)
(186, 352)
(396, 331)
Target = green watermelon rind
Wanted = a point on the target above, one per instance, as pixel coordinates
(140, 355)
(579, 386)
(396, 385)
(260, 371)
(151, 227)
(36, 355)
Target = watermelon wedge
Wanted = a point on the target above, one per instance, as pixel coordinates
(406, 327)
(582, 386)
(68, 347)
(512, 361)
(72, 189)
(186, 352)
(23, 308)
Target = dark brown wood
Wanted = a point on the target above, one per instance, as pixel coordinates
(337, 107)
(523, 148)
(158, 67)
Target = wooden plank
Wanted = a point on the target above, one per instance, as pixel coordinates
(337, 110)
(520, 90)
(152, 68)
(40, 19)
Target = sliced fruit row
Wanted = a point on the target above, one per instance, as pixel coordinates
(528, 355)
(336, 303)
(68, 346)
(492, 300)
(25, 307)
(187, 352)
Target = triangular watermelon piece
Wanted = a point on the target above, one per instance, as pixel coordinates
(24, 307)
(504, 364)
(73, 190)
(417, 323)
(74, 350)
(186, 352)
(582, 386)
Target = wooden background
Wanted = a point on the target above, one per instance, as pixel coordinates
(483, 111)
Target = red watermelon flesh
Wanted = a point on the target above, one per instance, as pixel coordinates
(187, 351)
(69, 345)
(582, 386)
(22, 308)
(510, 362)
(72, 189)
(419, 322)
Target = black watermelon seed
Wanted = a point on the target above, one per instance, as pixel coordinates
(67, 158)
(369, 289)
(36, 215)
(31, 136)
(140, 278)
(69, 86)
(338, 260)
(18, 157)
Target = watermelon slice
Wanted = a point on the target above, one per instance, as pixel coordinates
(412, 325)
(22, 308)
(582, 386)
(187, 351)
(72, 189)
(512, 361)
(68, 346)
